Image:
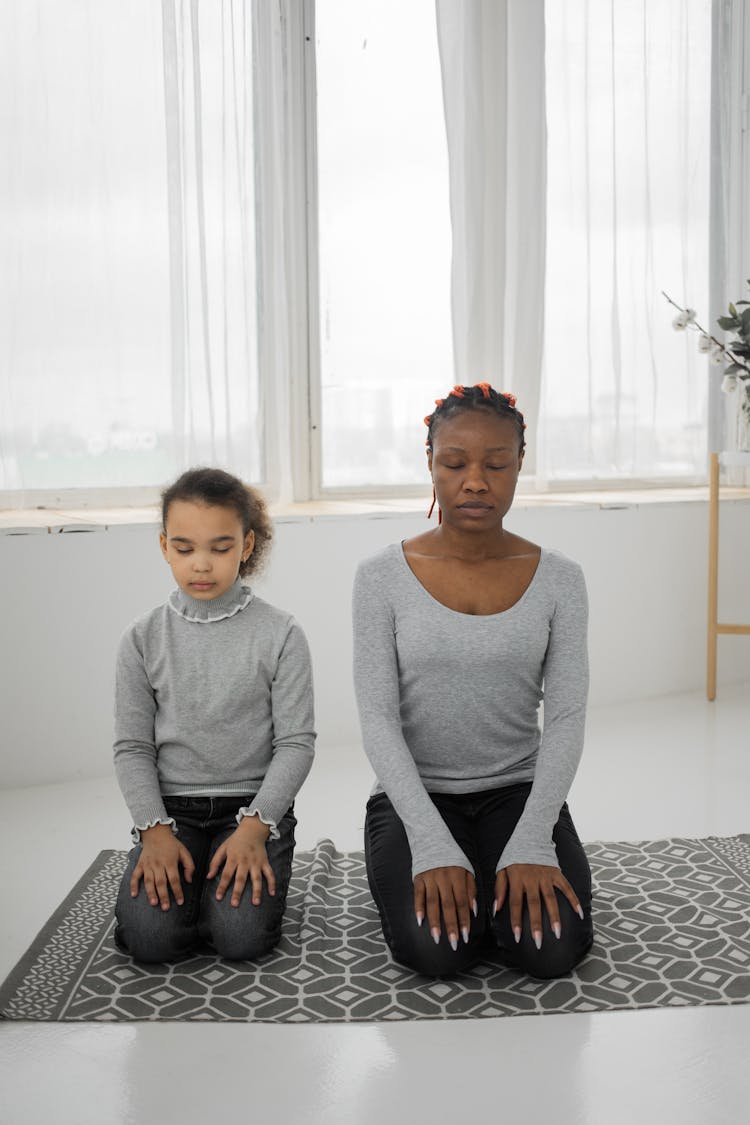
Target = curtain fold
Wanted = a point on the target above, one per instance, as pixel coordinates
(493, 75)
(730, 225)
(628, 173)
(209, 141)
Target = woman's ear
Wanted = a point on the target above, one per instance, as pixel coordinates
(163, 543)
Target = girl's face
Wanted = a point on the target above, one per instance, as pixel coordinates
(475, 462)
(204, 546)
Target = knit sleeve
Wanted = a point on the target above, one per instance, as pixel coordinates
(293, 733)
(565, 692)
(376, 682)
(135, 747)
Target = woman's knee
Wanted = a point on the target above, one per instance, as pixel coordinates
(556, 957)
(414, 947)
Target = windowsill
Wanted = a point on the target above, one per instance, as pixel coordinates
(51, 521)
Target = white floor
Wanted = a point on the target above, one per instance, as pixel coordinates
(672, 766)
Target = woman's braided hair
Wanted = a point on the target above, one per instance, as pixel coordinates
(479, 397)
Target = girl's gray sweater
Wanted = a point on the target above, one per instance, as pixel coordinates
(213, 698)
(449, 701)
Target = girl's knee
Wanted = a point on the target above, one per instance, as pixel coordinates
(152, 941)
(244, 932)
(244, 947)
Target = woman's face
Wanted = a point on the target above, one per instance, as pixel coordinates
(475, 462)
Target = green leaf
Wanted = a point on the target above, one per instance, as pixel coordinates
(732, 309)
(733, 369)
(743, 302)
(728, 323)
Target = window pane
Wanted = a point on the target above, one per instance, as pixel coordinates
(128, 342)
(386, 349)
(628, 104)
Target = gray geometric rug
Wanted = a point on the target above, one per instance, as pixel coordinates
(672, 922)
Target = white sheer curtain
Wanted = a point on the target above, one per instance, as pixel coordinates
(580, 152)
(492, 60)
(130, 205)
(629, 157)
(208, 54)
(730, 225)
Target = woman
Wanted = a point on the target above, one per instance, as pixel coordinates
(468, 839)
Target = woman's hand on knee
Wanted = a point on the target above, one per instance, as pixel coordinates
(243, 856)
(159, 866)
(536, 882)
(450, 891)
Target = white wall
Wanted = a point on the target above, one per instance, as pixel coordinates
(65, 599)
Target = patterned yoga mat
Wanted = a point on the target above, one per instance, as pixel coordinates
(672, 929)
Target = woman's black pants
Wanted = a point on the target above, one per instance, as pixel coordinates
(481, 824)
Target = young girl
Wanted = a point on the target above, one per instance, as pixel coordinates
(469, 842)
(213, 736)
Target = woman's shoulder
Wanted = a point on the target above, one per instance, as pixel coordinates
(561, 572)
(384, 562)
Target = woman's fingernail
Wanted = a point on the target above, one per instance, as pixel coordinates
(435, 934)
(465, 934)
(454, 942)
(517, 933)
(494, 908)
(557, 930)
(474, 908)
(538, 939)
(420, 917)
(580, 913)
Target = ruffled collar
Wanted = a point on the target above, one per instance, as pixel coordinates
(213, 609)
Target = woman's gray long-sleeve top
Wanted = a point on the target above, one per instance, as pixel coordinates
(449, 701)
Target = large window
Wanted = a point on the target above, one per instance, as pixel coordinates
(143, 158)
(383, 236)
(128, 290)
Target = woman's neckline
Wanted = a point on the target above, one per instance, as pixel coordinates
(543, 554)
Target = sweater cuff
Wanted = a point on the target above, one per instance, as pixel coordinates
(535, 853)
(135, 832)
(253, 810)
(423, 862)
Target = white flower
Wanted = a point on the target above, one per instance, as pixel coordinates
(717, 355)
(690, 314)
(729, 384)
(681, 321)
(705, 343)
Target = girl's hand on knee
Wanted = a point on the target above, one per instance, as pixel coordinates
(451, 891)
(159, 866)
(244, 858)
(536, 882)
